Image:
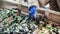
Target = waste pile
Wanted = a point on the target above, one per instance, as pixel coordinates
(21, 24)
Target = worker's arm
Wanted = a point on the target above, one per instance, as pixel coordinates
(44, 2)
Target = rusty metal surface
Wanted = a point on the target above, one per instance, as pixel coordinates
(54, 18)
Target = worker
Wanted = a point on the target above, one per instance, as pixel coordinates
(32, 12)
(54, 4)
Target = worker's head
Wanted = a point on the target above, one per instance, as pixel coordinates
(32, 7)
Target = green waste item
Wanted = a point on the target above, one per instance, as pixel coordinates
(49, 28)
(11, 29)
(42, 32)
(40, 27)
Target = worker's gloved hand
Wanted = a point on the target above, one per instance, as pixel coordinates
(32, 12)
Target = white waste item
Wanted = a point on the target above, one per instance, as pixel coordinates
(36, 31)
